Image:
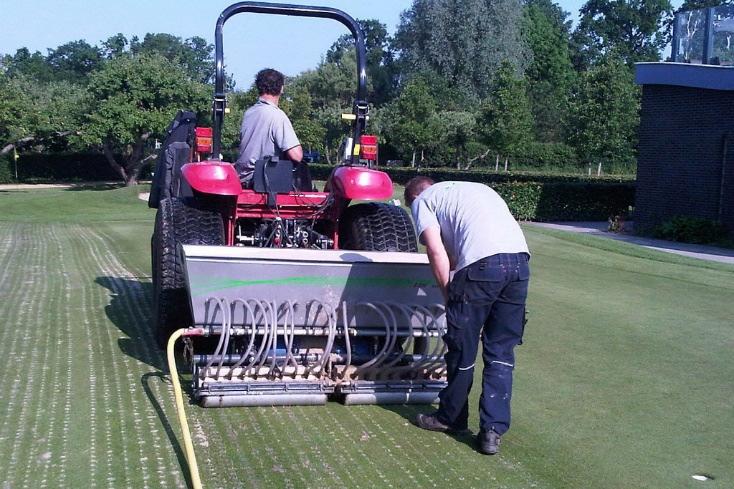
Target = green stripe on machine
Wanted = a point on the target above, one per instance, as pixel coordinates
(221, 284)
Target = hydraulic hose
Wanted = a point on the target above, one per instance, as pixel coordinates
(188, 445)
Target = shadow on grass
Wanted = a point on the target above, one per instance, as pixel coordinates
(180, 457)
(94, 186)
(410, 411)
(129, 310)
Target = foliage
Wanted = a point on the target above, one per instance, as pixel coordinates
(462, 42)
(7, 175)
(73, 61)
(32, 65)
(381, 69)
(297, 105)
(34, 115)
(535, 197)
(461, 82)
(550, 74)
(636, 30)
(454, 130)
(407, 121)
(544, 156)
(194, 54)
(505, 119)
(136, 97)
(692, 230)
(605, 114)
(237, 102)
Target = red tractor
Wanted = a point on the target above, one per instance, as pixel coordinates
(292, 318)
(201, 200)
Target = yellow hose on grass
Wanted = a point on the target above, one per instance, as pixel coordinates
(188, 445)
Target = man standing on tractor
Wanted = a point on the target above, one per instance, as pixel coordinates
(266, 130)
(467, 227)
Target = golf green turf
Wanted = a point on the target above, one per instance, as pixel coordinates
(625, 379)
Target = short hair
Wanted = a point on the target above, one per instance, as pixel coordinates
(414, 187)
(269, 82)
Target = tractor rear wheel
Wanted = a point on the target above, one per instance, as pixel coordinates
(177, 222)
(377, 226)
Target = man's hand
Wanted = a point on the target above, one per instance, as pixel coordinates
(438, 258)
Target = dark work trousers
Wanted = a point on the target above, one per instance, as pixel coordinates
(486, 298)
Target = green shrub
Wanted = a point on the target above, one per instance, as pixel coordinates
(535, 196)
(401, 175)
(691, 230)
(544, 156)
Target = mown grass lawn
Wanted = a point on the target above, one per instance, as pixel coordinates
(625, 379)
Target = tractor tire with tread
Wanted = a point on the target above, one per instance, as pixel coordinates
(177, 221)
(377, 226)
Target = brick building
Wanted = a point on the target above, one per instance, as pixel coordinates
(685, 163)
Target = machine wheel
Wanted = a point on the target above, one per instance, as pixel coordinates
(377, 227)
(177, 222)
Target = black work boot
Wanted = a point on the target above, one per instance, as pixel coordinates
(430, 422)
(489, 442)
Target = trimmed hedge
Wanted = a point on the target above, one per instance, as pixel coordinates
(401, 175)
(62, 167)
(6, 170)
(529, 195)
(533, 196)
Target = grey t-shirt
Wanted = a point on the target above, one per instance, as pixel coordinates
(474, 221)
(266, 131)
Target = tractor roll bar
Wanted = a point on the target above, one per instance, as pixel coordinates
(220, 101)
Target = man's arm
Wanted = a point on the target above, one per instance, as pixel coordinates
(438, 257)
(295, 154)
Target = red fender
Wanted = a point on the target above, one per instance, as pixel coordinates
(358, 183)
(212, 177)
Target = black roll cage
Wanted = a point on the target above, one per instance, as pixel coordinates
(360, 108)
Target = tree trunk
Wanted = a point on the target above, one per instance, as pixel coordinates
(412, 162)
(113, 163)
(9, 147)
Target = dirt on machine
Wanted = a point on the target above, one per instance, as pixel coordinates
(291, 295)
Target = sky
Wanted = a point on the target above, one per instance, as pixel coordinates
(251, 41)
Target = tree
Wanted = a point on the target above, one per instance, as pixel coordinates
(74, 61)
(114, 46)
(194, 55)
(505, 118)
(407, 120)
(462, 42)
(299, 108)
(454, 130)
(606, 113)
(636, 30)
(381, 68)
(558, 17)
(237, 103)
(38, 115)
(550, 74)
(135, 98)
(32, 65)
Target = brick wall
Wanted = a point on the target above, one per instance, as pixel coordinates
(682, 133)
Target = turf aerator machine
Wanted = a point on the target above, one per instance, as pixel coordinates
(286, 295)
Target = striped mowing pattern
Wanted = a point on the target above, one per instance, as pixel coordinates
(88, 402)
